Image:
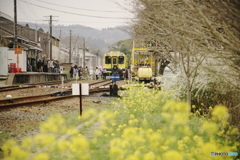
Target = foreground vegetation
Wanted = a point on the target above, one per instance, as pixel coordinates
(144, 124)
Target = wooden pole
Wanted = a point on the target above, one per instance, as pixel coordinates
(50, 37)
(80, 96)
(70, 47)
(15, 30)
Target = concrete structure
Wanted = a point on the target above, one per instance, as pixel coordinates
(31, 78)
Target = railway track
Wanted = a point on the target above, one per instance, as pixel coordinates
(27, 86)
(7, 103)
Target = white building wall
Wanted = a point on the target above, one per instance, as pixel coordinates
(3, 61)
(55, 53)
(12, 58)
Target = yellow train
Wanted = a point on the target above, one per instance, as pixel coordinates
(115, 58)
(143, 64)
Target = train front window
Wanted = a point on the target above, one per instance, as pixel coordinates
(107, 60)
(121, 59)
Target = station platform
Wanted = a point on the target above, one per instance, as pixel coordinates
(33, 77)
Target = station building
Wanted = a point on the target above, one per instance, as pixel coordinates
(35, 45)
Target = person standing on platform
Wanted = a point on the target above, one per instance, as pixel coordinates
(71, 72)
(80, 72)
(120, 72)
(45, 65)
(76, 67)
(97, 73)
(104, 73)
(75, 72)
(126, 73)
(101, 72)
(115, 69)
(39, 65)
(50, 66)
(86, 70)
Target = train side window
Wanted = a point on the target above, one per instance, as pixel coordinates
(121, 59)
(107, 60)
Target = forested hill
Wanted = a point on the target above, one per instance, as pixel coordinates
(95, 39)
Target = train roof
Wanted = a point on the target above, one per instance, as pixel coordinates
(114, 53)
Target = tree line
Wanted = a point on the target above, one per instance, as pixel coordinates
(199, 40)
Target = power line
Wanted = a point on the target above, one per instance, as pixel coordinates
(77, 7)
(22, 10)
(30, 19)
(84, 15)
(32, 11)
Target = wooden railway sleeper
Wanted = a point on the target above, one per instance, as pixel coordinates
(46, 101)
(10, 101)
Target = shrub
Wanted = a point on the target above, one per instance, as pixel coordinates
(144, 124)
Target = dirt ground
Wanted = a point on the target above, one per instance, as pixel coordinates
(24, 121)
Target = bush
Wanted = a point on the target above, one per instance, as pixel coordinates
(145, 124)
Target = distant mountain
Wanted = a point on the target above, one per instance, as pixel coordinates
(96, 40)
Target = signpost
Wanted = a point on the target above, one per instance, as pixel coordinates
(17, 52)
(80, 89)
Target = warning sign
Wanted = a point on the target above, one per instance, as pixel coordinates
(18, 50)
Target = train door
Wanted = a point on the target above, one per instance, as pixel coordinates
(114, 61)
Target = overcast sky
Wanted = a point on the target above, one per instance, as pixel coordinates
(92, 13)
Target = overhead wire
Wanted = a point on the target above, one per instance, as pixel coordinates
(30, 8)
(19, 5)
(71, 21)
(84, 15)
(77, 7)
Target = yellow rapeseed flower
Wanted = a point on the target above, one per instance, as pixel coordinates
(41, 156)
(149, 156)
(208, 147)
(163, 148)
(186, 139)
(172, 155)
(220, 113)
(209, 127)
(63, 145)
(132, 116)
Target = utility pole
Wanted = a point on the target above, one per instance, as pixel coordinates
(70, 46)
(50, 25)
(50, 37)
(60, 34)
(1, 35)
(80, 56)
(84, 64)
(36, 35)
(15, 30)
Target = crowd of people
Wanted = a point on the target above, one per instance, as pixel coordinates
(99, 73)
(103, 72)
(76, 71)
(48, 65)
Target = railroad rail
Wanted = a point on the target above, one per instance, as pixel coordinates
(26, 86)
(46, 98)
